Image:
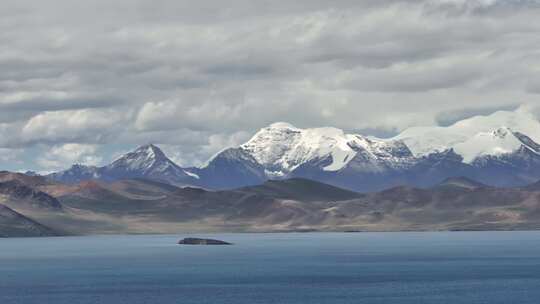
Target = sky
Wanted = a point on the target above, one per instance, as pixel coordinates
(85, 81)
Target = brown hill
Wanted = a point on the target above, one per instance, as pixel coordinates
(14, 224)
(142, 206)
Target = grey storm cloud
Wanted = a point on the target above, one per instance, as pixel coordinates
(80, 77)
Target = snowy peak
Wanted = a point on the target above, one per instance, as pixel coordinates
(474, 137)
(143, 158)
(281, 148)
(147, 161)
(284, 150)
(151, 151)
(271, 146)
(518, 121)
(495, 143)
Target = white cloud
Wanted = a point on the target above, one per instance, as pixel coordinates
(9, 154)
(191, 75)
(88, 125)
(156, 115)
(212, 144)
(62, 156)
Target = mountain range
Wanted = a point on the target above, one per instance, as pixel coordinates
(501, 149)
(35, 206)
(480, 173)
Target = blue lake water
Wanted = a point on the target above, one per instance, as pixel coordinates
(441, 267)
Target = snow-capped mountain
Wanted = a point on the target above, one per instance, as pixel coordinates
(326, 154)
(500, 149)
(427, 140)
(282, 148)
(501, 141)
(147, 161)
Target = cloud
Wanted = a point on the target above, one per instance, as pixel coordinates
(59, 155)
(450, 117)
(213, 144)
(193, 76)
(532, 108)
(9, 155)
(79, 125)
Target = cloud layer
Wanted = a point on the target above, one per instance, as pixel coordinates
(84, 80)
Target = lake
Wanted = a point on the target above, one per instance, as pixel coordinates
(438, 267)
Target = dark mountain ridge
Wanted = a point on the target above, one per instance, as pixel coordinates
(147, 206)
(21, 195)
(300, 204)
(14, 224)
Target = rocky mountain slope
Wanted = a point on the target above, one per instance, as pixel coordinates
(147, 161)
(20, 199)
(17, 194)
(14, 224)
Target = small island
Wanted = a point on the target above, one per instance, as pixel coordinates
(199, 241)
